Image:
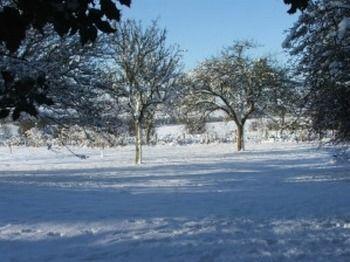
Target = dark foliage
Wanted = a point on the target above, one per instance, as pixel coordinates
(22, 95)
(319, 42)
(296, 5)
(84, 17)
(332, 113)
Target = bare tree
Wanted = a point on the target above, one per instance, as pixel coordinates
(233, 83)
(145, 72)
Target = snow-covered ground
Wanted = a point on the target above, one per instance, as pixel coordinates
(274, 202)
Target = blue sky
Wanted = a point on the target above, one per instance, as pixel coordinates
(203, 27)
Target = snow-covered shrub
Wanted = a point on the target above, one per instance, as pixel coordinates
(35, 137)
(9, 135)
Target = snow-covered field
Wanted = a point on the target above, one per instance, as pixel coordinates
(274, 202)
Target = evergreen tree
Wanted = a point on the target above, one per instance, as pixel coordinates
(320, 43)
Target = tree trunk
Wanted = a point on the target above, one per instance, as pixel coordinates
(138, 143)
(240, 137)
(149, 127)
(283, 122)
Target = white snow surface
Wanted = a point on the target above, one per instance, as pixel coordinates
(273, 202)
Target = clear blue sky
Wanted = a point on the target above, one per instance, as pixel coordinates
(203, 27)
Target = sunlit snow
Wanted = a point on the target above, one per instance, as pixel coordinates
(273, 202)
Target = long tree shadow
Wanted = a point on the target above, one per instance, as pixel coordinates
(246, 186)
(181, 195)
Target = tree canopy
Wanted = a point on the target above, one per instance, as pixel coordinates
(84, 17)
(235, 84)
(296, 5)
(319, 41)
(19, 20)
(144, 72)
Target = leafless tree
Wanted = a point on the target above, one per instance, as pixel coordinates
(145, 72)
(233, 83)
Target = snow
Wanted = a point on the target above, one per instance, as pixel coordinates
(225, 131)
(273, 202)
(256, 131)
